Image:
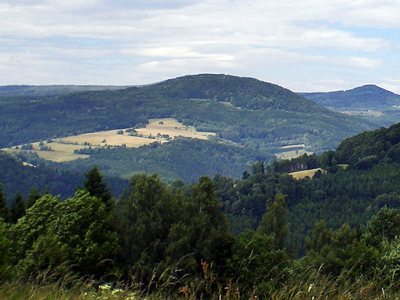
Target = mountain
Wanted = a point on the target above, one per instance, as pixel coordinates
(365, 97)
(369, 101)
(242, 112)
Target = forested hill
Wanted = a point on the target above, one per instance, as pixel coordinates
(243, 110)
(359, 178)
(371, 148)
(366, 97)
(242, 92)
(360, 152)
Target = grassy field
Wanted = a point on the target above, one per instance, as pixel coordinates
(292, 151)
(306, 173)
(108, 138)
(158, 130)
(173, 128)
(59, 152)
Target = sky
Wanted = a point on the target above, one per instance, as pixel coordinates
(303, 45)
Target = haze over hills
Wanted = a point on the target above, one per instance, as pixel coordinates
(369, 101)
(251, 119)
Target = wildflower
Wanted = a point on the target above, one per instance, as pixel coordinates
(105, 287)
(116, 291)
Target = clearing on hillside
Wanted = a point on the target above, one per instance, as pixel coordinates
(292, 151)
(157, 131)
(172, 128)
(306, 173)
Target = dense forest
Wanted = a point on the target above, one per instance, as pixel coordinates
(251, 120)
(181, 159)
(18, 177)
(265, 235)
(370, 102)
(243, 110)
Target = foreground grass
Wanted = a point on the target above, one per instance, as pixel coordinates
(308, 284)
(54, 292)
(325, 289)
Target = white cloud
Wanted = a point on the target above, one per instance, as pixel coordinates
(280, 41)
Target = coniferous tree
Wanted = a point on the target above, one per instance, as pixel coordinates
(95, 185)
(18, 208)
(213, 241)
(5, 244)
(34, 195)
(274, 221)
(4, 210)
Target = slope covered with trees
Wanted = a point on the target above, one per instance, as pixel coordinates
(173, 241)
(370, 102)
(366, 97)
(362, 177)
(181, 159)
(17, 177)
(243, 110)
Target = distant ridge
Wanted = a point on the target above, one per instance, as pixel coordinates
(52, 90)
(368, 96)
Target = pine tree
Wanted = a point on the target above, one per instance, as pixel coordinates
(212, 240)
(34, 195)
(274, 221)
(18, 208)
(4, 210)
(96, 186)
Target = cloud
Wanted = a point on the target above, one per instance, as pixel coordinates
(135, 42)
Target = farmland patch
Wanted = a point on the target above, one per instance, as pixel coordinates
(67, 148)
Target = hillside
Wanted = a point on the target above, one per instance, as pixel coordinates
(366, 97)
(258, 112)
(369, 101)
(359, 178)
(342, 222)
(182, 159)
(16, 176)
(371, 148)
(260, 117)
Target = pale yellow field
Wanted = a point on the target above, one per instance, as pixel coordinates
(60, 153)
(292, 154)
(173, 128)
(63, 148)
(110, 137)
(306, 173)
